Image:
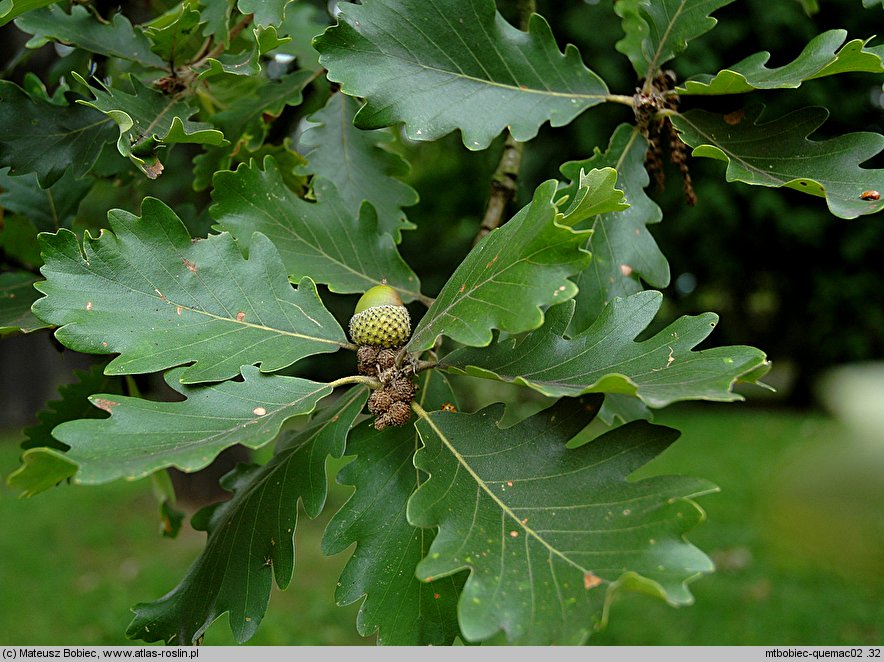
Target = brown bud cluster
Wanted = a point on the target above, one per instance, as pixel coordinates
(373, 361)
(391, 404)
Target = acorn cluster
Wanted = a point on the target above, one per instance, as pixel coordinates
(380, 326)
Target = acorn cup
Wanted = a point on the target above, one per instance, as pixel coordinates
(380, 319)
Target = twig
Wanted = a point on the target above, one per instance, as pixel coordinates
(420, 411)
(526, 8)
(244, 22)
(503, 187)
(400, 357)
(190, 69)
(503, 182)
(202, 51)
(420, 366)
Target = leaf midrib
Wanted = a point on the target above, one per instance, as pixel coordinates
(654, 63)
(317, 245)
(461, 460)
(777, 178)
(470, 293)
(491, 83)
(159, 447)
(85, 264)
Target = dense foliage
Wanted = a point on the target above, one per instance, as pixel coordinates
(249, 146)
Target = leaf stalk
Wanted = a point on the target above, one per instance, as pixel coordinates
(371, 382)
(623, 99)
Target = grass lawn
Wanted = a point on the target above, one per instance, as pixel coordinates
(796, 533)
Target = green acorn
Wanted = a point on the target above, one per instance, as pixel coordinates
(380, 319)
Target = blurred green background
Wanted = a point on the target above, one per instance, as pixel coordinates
(797, 532)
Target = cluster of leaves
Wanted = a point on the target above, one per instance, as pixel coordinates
(463, 527)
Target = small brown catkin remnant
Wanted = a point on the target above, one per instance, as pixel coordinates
(383, 421)
(372, 360)
(654, 157)
(678, 154)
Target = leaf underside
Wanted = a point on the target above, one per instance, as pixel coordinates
(606, 359)
(148, 292)
(41, 469)
(250, 537)
(455, 64)
(778, 153)
(545, 530)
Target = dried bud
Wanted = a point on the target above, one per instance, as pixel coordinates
(401, 389)
(367, 359)
(386, 358)
(400, 413)
(379, 402)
